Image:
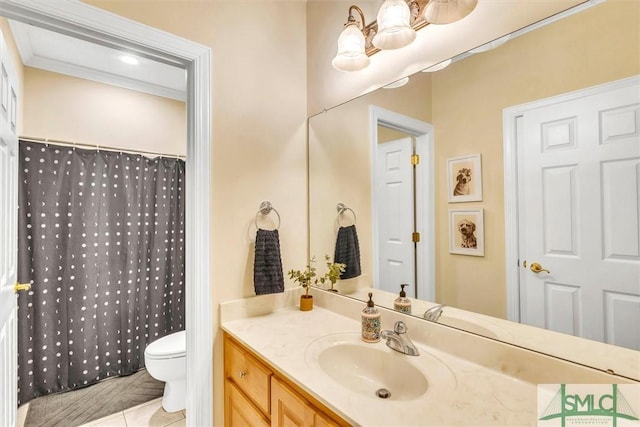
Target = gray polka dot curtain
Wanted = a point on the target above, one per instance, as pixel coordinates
(101, 240)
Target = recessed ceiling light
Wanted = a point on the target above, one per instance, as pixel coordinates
(127, 59)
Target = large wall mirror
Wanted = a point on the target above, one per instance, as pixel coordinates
(459, 118)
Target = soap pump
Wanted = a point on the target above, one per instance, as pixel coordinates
(370, 322)
(402, 303)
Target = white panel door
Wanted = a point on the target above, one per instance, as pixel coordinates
(395, 213)
(8, 238)
(579, 210)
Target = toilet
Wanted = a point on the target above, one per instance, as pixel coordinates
(166, 360)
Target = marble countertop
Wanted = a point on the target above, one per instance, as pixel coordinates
(460, 392)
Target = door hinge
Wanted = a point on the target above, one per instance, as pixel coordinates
(415, 159)
(415, 237)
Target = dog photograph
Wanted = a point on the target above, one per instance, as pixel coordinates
(465, 178)
(466, 232)
(463, 182)
(467, 229)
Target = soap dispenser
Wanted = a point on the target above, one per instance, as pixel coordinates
(402, 303)
(370, 322)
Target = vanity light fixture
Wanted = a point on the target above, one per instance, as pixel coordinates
(396, 26)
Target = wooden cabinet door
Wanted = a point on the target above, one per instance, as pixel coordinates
(251, 376)
(319, 420)
(287, 409)
(239, 411)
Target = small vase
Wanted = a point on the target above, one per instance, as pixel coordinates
(306, 302)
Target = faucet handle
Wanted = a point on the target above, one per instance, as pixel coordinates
(400, 327)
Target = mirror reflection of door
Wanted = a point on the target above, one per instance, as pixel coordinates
(402, 204)
(396, 212)
(578, 163)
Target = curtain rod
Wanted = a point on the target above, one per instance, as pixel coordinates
(97, 146)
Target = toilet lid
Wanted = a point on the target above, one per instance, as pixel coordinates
(172, 345)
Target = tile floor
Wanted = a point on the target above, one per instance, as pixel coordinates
(149, 414)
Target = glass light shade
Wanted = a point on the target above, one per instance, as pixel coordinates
(394, 25)
(351, 54)
(448, 11)
(439, 66)
(491, 45)
(398, 83)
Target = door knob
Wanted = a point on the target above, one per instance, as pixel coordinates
(537, 268)
(21, 287)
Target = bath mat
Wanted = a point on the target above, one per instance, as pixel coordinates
(77, 407)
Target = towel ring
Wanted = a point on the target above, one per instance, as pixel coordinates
(341, 208)
(265, 209)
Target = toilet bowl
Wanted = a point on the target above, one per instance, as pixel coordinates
(166, 360)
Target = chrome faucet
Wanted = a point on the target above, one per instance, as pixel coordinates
(434, 313)
(398, 340)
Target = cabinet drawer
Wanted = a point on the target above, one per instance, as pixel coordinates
(251, 376)
(239, 411)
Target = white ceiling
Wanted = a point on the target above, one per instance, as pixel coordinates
(51, 51)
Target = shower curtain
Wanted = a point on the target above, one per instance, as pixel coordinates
(101, 239)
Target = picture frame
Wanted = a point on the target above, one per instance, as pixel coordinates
(464, 178)
(466, 231)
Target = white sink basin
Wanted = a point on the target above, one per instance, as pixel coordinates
(366, 368)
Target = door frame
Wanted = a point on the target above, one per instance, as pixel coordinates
(423, 132)
(510, 119)
(89, 23)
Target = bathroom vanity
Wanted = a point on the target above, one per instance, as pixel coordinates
(284, 366)
(255, 394)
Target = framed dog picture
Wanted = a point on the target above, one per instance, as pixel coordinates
(466, 232)
(464, 178)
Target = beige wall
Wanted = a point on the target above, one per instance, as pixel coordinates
(77, 110)
(259, 130)
(328, 87)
